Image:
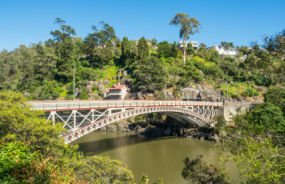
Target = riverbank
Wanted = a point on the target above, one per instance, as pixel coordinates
(163, 129)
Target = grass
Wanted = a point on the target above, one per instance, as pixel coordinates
(235, 89)
(63, 94)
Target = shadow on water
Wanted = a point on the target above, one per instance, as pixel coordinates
(112, 143)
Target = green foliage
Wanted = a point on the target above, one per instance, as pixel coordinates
(50, 90)
(276, 96)
(19, 165)
(143, 50)
(220, 123)
(139, 118)
(164, 49)
(198, 171)
(250, 92)
(149, 76)
(126, 51)
(92, 169)
(260, 161)
(83, 94)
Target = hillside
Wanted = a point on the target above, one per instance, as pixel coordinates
(45, 70)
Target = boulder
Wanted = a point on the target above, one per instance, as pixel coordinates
(77, 92)
(103, 129)
(167, 131)
(174, 134)
(106, 82)
(140, 95)
(95, 83)
(126, 130)
(202, 137)
(159, 131)
(125, 73)
(122, 126)
(26, 94)
(89, 88)
(101, 88)
(142, 131)
(100, 82)
(93, 95)
(89, 82)
(215, 138)
(112, 128)
(202, 95)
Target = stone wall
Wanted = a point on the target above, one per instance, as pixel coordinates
(231, 108)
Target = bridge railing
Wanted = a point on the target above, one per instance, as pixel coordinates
(61, 105)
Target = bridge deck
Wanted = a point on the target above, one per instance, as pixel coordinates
(64, 105)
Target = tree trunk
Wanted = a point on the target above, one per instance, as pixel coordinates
(184, 52)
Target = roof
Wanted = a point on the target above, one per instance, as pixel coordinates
(114, 87)
(180, 42)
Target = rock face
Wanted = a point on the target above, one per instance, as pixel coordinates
(112, 128)
(167, 131)
(125, 73)
(101, 88)
(93, 95)
(95, 83)
(106, 82)
(90, 83)
(89, 88)
(103, 129)
(191, 93)
(26, 94)
(77, 93)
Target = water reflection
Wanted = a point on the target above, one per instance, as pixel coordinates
(158, 157)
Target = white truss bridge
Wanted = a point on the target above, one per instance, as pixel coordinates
(81, 117)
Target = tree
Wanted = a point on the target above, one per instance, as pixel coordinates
(21, 124)
(187, 27)
(64, 49)
(203, 45)
(150, 76)
(20, 165)
(164, 49)
(84, 95)
(154, 42)
(198, 171)
(93, 169)
(224, 45)
(126, 51)
(276, 96)
(190, 50)
(143, 51)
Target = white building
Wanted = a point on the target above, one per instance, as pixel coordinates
(195, 44)
(231, 51)
(117, 92)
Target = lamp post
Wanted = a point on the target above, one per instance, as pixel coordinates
(74, 79)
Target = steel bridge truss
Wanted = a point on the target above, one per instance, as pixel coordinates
(80, 123)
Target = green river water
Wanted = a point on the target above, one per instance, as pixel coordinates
(158, 157)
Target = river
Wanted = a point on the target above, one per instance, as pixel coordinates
(158, 157)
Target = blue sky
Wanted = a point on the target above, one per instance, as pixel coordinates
(242, 21)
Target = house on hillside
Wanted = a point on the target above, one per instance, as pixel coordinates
(231, 51)
(195, 45)
(117, 92)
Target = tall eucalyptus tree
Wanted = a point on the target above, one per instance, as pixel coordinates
(188, 26)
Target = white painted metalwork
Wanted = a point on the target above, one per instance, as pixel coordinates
(59, 105)
(101, 113)
(184, 114)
